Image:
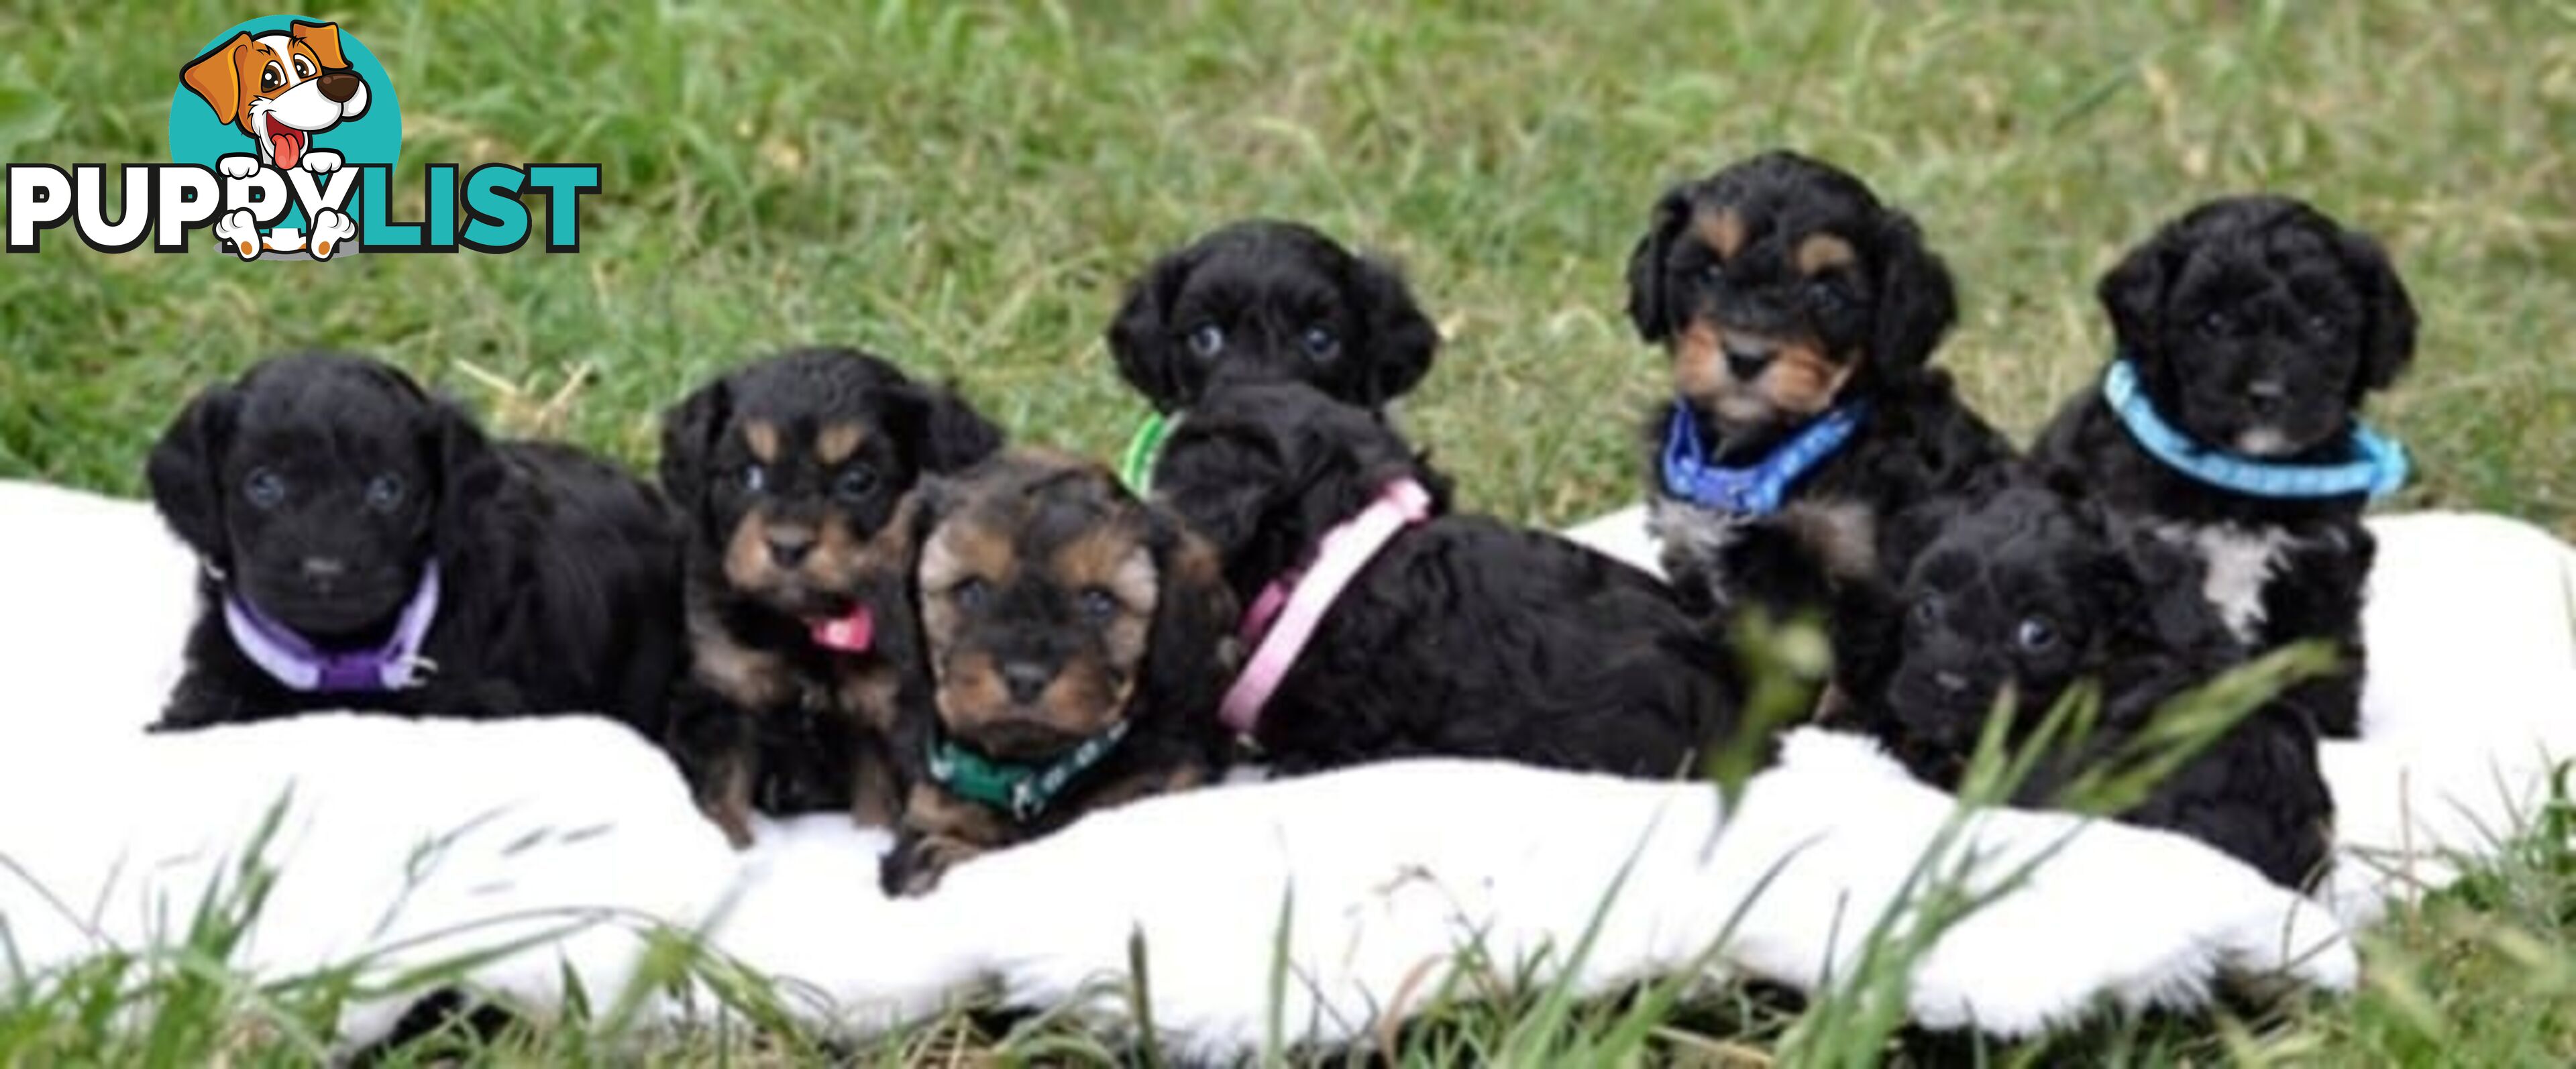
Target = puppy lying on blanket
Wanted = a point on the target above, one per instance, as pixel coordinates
(1074, 642)
(1383, 627)
(2020, 597)
(365, 545)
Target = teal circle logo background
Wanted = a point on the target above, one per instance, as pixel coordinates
(197, 137)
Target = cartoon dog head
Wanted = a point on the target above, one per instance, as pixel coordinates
(280, 88)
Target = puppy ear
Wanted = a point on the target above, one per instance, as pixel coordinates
(1917, 304)
(215, 80)
(951, 435)
(471, 473)
(1401, 341)
(2133, 293)
(689, 431)
(1138, 335)
(1191, 651)
(2388, 343)
(1221, 477)
(1649, 306)
(186, 471)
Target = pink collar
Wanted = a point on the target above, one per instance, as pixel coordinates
(1284, 616)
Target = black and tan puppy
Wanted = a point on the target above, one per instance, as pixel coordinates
(1276, 300)
(1074, 641)
(1461, 635)
(1800, 315)
(2250, 330)
(791, 472)
(366, 546)
(2019, 598)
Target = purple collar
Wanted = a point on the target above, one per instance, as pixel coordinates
(285, 655)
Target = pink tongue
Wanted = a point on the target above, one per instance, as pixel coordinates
(288, 146)
(849, 634)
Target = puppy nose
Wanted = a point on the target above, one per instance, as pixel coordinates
(789, 545)
(1745, 358)
(1025, 680)
(1951, 683)
(2266, 395)
(338, 88)
(323, 569)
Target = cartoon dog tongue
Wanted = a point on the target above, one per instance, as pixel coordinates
(286, 143)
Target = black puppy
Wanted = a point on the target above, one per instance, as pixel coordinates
(2030, 592)
(1459, 635)
(366, 546)
(2249, 331)
(1799, 314)
(1275, 300)
(791, 472)
(1074, 645)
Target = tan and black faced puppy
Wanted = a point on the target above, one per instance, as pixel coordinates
(793, 472)
(1075, 642)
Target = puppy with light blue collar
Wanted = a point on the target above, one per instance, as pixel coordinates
(2249, 331)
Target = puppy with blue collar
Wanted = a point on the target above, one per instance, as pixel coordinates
(2249, 332)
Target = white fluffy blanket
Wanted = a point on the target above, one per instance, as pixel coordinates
(406, 842)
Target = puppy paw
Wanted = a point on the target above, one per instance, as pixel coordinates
(331, 230)
(913, 869)
(320, 161)
(238, 165)
(239, 232)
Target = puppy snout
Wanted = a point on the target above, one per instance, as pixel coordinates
(1951, 684)
(338, 88)
(322, 570)
(788, 546)
(2266, 396)
(1026, 680)
(1746, 357)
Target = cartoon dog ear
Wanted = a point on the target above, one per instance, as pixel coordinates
(470, 473)
(186, 471)
(689, 431)
(1649, 306)
(1402, 341)
(2388, 343)
(324, 39)
(1917, 303)
(1191, 652)
(1139, 335)
(952, 435)
(217, 80)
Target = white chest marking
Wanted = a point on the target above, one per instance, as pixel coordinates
(2237, 564)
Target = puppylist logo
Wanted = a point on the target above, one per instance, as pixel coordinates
(284, 133)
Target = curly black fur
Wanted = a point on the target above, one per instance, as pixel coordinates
(2034, 591)
(790, 472)
(1464, 636)
(1781, 287)
(2256, 324)
(1263, 299)
(1051, 605)
(319, 486)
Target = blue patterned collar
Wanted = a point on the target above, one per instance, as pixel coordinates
(1758, 489)
(2380, 467)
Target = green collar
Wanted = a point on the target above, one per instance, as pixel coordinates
(1136, 465)
(1022, 790)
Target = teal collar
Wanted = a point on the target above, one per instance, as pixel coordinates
(1022, 790)
(2379, 466)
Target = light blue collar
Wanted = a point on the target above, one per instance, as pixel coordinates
(2379, 470)
(1758, 489)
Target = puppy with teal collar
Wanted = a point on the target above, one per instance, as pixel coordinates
(2249, 332)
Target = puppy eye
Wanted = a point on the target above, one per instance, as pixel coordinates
(303, 67)
(755, 478)
(1098, 606)
(2218, 324)
(1207, 340)
(1318, 342)
(2036, 635)
(1927, 611)
(969, 594)
(854, 484)
(264, 489)
(1827, 294)
(385, 492)
(2321, 324)
(272, 76)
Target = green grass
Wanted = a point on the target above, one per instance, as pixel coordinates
(965, 187)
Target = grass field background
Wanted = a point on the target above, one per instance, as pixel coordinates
(965, 188)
